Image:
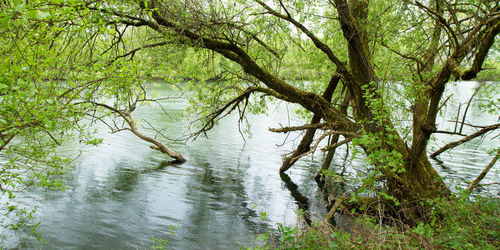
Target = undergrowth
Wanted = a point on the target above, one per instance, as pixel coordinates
(456, 223)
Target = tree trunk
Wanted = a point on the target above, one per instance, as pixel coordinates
(419, 181)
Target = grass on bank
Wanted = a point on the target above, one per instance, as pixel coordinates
(459, 223)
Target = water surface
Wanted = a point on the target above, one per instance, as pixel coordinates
(122, 194)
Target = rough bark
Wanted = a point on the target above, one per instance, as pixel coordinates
(359, 59)
(419, 181)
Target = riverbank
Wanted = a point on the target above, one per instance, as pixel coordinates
(458, 223)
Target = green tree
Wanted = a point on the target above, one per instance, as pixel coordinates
(59, 73)
(429, 45)
(373, 49)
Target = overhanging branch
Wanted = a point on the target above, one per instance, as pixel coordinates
(317, 42)
(231, 105)
(132, 52)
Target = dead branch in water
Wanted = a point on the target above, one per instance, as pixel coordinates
(466, 139)
(129, 119)
(484, 172)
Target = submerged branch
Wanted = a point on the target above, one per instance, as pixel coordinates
(129, 119)
(483, 174)
(305, 143)
(466, 139)
(157, 144)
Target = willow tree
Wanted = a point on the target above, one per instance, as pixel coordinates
(431, 43)
(367, 47)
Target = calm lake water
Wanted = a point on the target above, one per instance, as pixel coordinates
(122, 194)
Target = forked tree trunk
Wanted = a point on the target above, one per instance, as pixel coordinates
(420, 184)
(419, 181)
(413, 187)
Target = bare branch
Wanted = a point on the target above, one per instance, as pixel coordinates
(466, 139)
(336, 145)
(306, 141)
(313, 149)
(448, 132)
(468, 105)
(298, 128)
(132, 52)
(409, 57)
(129, 119)
(484, 172)
(231, 106)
